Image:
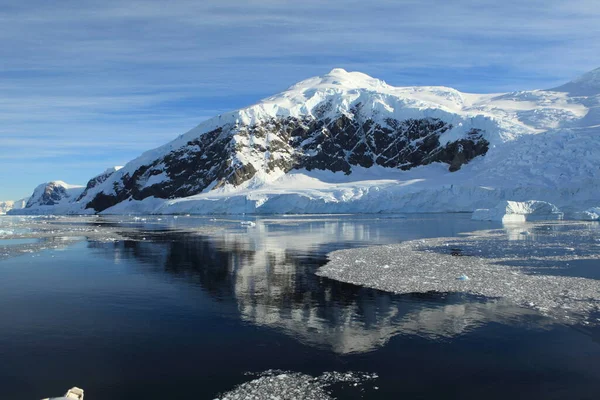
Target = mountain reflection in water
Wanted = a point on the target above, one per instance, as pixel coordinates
(268, 271)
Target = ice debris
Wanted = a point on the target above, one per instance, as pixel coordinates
(517, 270)
(275, 384)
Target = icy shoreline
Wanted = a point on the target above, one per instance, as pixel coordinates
(492, 266)
(33, 234)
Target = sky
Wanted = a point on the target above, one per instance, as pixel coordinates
(85, 85)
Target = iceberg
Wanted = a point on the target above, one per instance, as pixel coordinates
(591, 214)
(515, 211)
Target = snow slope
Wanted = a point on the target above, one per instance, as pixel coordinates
(526, 145)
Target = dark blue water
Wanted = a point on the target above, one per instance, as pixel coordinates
(185, 314)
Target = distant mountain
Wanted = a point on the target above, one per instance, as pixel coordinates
(586, 85)
(56, 197)
(6, 206)
(346, 142)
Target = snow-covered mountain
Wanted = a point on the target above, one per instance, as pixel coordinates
(56, 197)
(346, 142)
(6, 206)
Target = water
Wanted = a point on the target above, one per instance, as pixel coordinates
(14, 242)
(181, 307)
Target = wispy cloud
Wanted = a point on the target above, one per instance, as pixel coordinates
(99, 82)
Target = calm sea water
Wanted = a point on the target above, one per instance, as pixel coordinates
(179, 312)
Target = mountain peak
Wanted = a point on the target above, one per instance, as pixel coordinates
(337, 71)
(587, 84)
(339, 79)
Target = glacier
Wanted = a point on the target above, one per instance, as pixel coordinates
(345, 142)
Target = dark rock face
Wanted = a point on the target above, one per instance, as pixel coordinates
(222, 156)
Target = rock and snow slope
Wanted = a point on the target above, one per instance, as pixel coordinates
(54, 197)
(346, 142)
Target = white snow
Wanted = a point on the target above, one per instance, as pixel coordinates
(514, 211)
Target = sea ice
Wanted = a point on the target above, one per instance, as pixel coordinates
(497, 267)
(293, 385)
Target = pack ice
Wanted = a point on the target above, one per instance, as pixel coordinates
(498, 264)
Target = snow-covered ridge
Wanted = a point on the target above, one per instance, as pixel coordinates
(586, 85)
(320, 146)
(51, 197)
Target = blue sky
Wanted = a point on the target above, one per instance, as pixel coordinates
(85, 85)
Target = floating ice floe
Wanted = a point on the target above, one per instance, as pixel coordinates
(53, 232)
(492, 265)
(515, 211)
(293, 385)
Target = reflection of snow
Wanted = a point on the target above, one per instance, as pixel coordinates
(272, 291)
(452, 320)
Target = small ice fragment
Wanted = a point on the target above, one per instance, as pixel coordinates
(463, 278)
(385, 266)
(247, 223)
